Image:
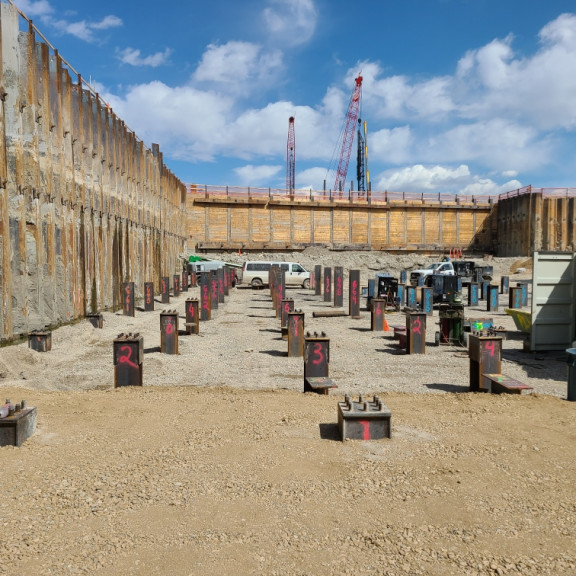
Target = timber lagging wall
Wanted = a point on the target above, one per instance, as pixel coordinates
(275, 223)
(84, 205)
(514, 224)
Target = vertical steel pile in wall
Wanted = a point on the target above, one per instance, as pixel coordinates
(84, 205)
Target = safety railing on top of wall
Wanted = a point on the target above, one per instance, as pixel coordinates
(237, 192)
(546, 192)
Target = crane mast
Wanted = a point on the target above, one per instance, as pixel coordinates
(291, 157)
(362, 173)
(348, 139)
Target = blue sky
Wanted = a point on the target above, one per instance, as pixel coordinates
(459, 96)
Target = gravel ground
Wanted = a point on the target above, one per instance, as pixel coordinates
(220, 464)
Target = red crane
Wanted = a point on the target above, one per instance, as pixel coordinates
(291, 157)
(348, 139)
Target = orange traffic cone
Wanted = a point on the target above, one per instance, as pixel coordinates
(386, 327)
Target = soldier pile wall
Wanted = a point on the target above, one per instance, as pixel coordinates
(84, 205)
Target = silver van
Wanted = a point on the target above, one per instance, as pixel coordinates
(256, 273)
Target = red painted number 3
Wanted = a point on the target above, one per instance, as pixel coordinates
(318, 354)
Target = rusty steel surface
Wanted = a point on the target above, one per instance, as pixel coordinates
(148, 296)
(169, 332)
(295, 329)
(192, 316)
(40, 341)
(316, 358)
(128, 350)
(364, 419)
(354, 294)
(165, 289)
(18, 426)
(84, 205)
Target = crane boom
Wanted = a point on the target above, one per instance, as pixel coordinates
(291, 157)
(348, 139)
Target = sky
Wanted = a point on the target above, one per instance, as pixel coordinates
(458, 96)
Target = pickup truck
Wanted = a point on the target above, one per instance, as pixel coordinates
(462, 268)
(445, 268)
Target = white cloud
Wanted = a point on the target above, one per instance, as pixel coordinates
(33, 9)
(105, 23)
(312, 178)
(291, 22)
(487, 187)
(498, 143)
(256, 175)
(425, 179)
(239, 66)
(188, 124)
(84, 30)
(396, 98)
(133, 57)
(393, 146)
(535, 90)
(493, 63)
(419, 178)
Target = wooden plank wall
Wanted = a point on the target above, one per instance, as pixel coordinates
(84, 206)
(256, 224)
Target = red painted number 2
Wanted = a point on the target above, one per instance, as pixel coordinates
(125, 359)
(417, 326)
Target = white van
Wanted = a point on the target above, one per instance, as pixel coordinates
(255, 273)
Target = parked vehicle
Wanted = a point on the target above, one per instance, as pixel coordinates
(465, 269)
(203, 265)
(208, 265)
(256, 273)
(419, 276)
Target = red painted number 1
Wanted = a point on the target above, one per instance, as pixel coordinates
(365, 429)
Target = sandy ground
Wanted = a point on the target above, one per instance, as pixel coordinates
(220, 464)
